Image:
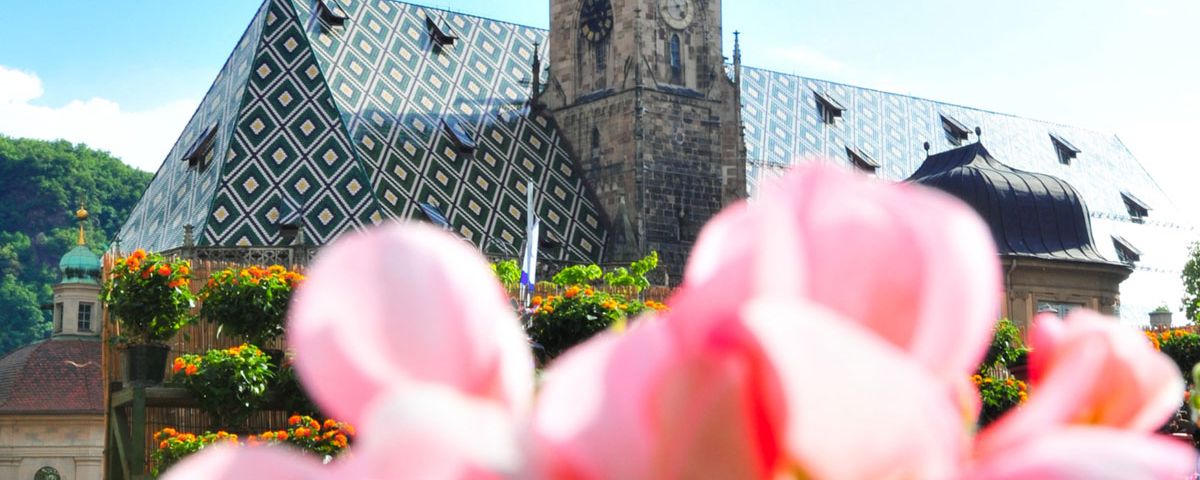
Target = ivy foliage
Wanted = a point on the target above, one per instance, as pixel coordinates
(1191, 284)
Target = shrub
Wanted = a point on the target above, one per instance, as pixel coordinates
(998, 396)
(326, 439)
(250, 303)
(561, 322)
(173, 446)
(149, 295)
(1181, 345)
(229, 384)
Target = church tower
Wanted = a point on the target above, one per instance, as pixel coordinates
(642, 93)
(76, 298)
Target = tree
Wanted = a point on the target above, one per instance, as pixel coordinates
(1191, 284)
(20, 319)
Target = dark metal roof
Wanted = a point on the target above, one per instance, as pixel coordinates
(1029, 214)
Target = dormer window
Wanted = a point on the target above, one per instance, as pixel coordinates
(434, 215)
(439, 37)
(1066, 151)
(861, 160)
(1138, 210)
(199, 157)
(828, 107)
(956, 132)
(463, 143)
(1126, 252)
(331, 13)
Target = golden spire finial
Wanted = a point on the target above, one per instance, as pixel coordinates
(82, 216)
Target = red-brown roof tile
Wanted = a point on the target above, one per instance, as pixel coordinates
(54, 376)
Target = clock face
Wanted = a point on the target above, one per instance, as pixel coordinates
(595, 20)
(677, 13)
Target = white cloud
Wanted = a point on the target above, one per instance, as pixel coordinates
(139, 138)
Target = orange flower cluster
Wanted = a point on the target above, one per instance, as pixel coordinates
(1159, 337)
(656, 306)
(306, 432)
(141, 265)
(1008, 383)
(188, 364)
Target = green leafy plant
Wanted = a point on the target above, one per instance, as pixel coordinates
(330, 438)
(1182, 345)
(635, 275)
(150, 296)
(1007, 345)
(250, 303)
(508, 272)
(577, 275)
(560, 322)
(1191, 283)
(229, 384)
(1161, 309)
(998, 396)
(173, 446)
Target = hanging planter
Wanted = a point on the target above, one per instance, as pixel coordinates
(149, 297)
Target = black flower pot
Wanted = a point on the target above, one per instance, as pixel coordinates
(145, 364)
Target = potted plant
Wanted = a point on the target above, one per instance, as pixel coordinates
(250, 303)
(229, 384)
(1161, 317)
(150, 298)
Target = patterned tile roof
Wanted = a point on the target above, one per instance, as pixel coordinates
(54, 376)
(784, 127)
(345, 126)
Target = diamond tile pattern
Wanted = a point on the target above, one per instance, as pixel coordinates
(345, 126)
(783, 128)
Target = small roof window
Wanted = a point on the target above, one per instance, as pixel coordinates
(434, 215)
(199, 156)
(829, 108)
(956, 132)
(1126, 252)
(463, 143)
(1138, 210)
(861, 160)
(441, 38)
(331, 12)
(1066, 151)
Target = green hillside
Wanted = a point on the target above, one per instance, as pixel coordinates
(41, 185)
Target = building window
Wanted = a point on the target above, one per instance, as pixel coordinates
(1138, 210)
(200, 156)
(439, 37)
(331, 12)
(1126, 252)
(47, 473)
(676, 52)
(595, 142)
(956, 132)
(58, 317)
(828, 107)
(1066, 151)
(861, 160)
(85, 317)
(463, 143)
(1060, 309)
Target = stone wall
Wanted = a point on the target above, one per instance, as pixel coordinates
(71, 444)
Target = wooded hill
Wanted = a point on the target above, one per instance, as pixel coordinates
(41, 185)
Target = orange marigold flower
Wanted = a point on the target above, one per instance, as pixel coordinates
(184, 270)
(268, 435)
(537, 300)
(589, 291)
(340, 439)
(177, 365)
(294, 419)
(138, 254)
(145, 274)
(314, 424)
(330, 423)
(302, 432)
(164, 270)
(571, 292)
(276, 269)
(190, 370)
(162, 444)
(281, 435)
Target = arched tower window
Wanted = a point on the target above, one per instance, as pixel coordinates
(595, 141)
(676, 60)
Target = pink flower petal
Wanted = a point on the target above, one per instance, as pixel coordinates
(405, 303)
(916, 266)
(645, 406)
(1090, 454)
(857, 407)
(434, 432)
(227, 462)
(1092, 371)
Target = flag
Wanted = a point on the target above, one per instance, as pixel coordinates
(532, 226)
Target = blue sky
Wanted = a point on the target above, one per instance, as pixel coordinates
(126, 75)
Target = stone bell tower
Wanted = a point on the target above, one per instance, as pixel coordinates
(642, 93)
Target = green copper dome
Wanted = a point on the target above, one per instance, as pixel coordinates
(80, 265)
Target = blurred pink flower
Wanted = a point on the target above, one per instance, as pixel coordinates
(1091, 376)
(826, 331)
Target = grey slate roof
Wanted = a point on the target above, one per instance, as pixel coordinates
(783, 128)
